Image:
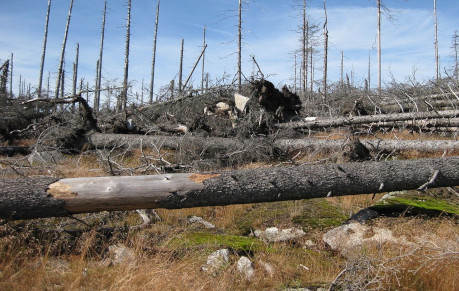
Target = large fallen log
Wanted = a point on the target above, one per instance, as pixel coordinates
(358, 120)
(108, 141)
(25, 198)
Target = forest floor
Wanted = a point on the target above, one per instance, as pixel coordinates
(417, 247)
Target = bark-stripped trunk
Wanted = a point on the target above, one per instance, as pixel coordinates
(24, 198)
(325, 54)
(43, 53)
(60, 71)
(152, 81)
(239, 48)
(379, 46)
(122, 100)
(180, 69)
(368, 119)
(437, 57)
(99, 64)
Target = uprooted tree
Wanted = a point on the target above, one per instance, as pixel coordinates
(24, 198)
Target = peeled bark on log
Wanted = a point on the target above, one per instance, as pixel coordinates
(312, 122)
(25, 198)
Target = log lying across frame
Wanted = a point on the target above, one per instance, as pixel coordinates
(367, 119)
(108, 141)
(25, 198)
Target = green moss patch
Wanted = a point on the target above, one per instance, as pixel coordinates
(415, 204)
(319, 213)
(195, 239)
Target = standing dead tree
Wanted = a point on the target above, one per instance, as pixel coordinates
(437, 57)
(99, 63)
(122, 99)
(61, 62)
(152, 81)
(45, 38)
(25, 198)
(325, 54)
(4, 68)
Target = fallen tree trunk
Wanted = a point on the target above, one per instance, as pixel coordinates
(25, 198)
(99, 140)
(356, 120)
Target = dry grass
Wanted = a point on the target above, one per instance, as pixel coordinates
(38, 255)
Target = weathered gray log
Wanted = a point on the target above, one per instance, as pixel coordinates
(371, 144)
(99, 140)
(45, 197)
(356, 120)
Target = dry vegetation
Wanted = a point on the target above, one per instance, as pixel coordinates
(70, 254)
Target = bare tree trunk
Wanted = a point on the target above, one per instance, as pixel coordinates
(295, 73)
(304, 50)
(379, 46)
(325, 54)
(24, 198)
(369, 71)
(239, 48)
(152, 81)
(311, 70)
(455, 47)
(45, 38)
(203, 58)
(367, 119)
(11, 76)
(96, 99)
(180, 69)
(219, 144)
(122, 100)
(64, 43)
(195, 65)
(99, 64)
(341, 80)
(437, 57)
(75, 74)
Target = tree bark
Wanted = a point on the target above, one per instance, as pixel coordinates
(25, 198)
(43, 53)
(99, 140)
(61, 62)
(354, 120)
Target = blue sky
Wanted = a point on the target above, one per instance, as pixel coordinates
(269, 33)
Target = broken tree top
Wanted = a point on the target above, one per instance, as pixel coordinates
(24, 198)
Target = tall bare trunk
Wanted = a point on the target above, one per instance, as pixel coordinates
(11, 75)
(239, 48)
(203, 58)
(45, 38)
(341, 80)
(311, 70)
(122, 100)
(437, 57)
(455, 47)
(181, 69)
(64, 43)
(379, 47)
(75, 74)
(99, 63)
(152, 81)
(194, 67)
(325, 54)
(369, 71)
(304, 50)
